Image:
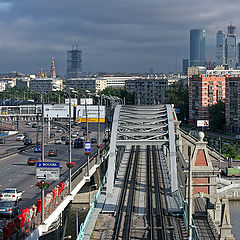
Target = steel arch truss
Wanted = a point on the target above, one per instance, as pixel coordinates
(142, 125)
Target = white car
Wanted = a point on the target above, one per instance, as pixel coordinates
(11, 194)
(54, 127)
(74, 135)
(28, 123)
(58, 141)
(59, 130)
(20, 137)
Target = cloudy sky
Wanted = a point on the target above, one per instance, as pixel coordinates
(125, 35)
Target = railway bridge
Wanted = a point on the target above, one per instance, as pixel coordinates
(159, 180)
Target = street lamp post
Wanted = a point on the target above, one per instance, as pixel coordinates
(87, 133)
(70, 141)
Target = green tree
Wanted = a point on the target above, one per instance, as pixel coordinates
(177, 94)
(217, 116)
(230, 150)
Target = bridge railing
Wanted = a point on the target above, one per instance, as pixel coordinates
(93, 205)
(184, 207)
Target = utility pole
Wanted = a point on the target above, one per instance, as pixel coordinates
(87, 134)
(42, 125)
(99, 133)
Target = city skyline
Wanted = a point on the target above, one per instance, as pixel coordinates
(116, 37)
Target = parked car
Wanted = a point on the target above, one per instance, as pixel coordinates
(37, 148)
(59, 130)
(93, 140)
(20, 137)
(32, 161)
(27, 141)
(8, 208)
(58, 141)
(52, 153)
(78, 143)
(11, 194)
(34, 125)
(52, 135)
(40, 128)
(2, 140)
(28, 123)
(63, 138)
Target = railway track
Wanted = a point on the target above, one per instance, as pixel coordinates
(157, 225)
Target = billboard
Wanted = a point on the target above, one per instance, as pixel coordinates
(92, 113)
(56, 111)
(89, 101)
(73, 101)
(202, 123)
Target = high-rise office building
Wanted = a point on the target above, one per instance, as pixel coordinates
(185, 65)
(197, 47)
(220, 51)
(74, 63)
(239, 54)
(231, 47)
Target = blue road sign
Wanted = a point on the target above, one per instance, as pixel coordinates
(48, 164)
(88, 147)
(177, 110)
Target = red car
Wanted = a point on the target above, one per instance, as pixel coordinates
(52, 153)
(32, 161)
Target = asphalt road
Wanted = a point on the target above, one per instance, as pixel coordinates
(14, 172)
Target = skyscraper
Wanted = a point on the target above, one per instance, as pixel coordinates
(74, 63)
(231, 47)
(185, 65)
(197, 47)
(220, 51)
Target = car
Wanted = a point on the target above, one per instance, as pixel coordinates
(27, 141)
(26, 134)
(78, 143)
(59, 130)
(74, 135)
(67, 142)
(84, 133)
(2, 140)
(93, 140)
(8, 209)
(58, 141)
(37, 148)
(28, 123)
(54, 127)
(32, 161)
(81, 137)
(52, 135)
(11, 194)
(63, 138)
(105, 140)
(237, 137)
(20, 137)
(52, 153)
(40, 128)
(34, 125)
(84, 127)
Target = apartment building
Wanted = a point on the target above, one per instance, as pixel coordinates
(204, 91)
(150, 91)
(232, 104)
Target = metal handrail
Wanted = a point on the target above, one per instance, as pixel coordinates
(89, 214)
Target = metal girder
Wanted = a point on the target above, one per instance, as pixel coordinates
(142, 125)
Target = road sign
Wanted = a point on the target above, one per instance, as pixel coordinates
(88, 147)
(48, 171)
(177, 110)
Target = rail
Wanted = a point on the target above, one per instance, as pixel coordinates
(118, 218)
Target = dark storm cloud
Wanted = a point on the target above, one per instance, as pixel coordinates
(127, 35)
